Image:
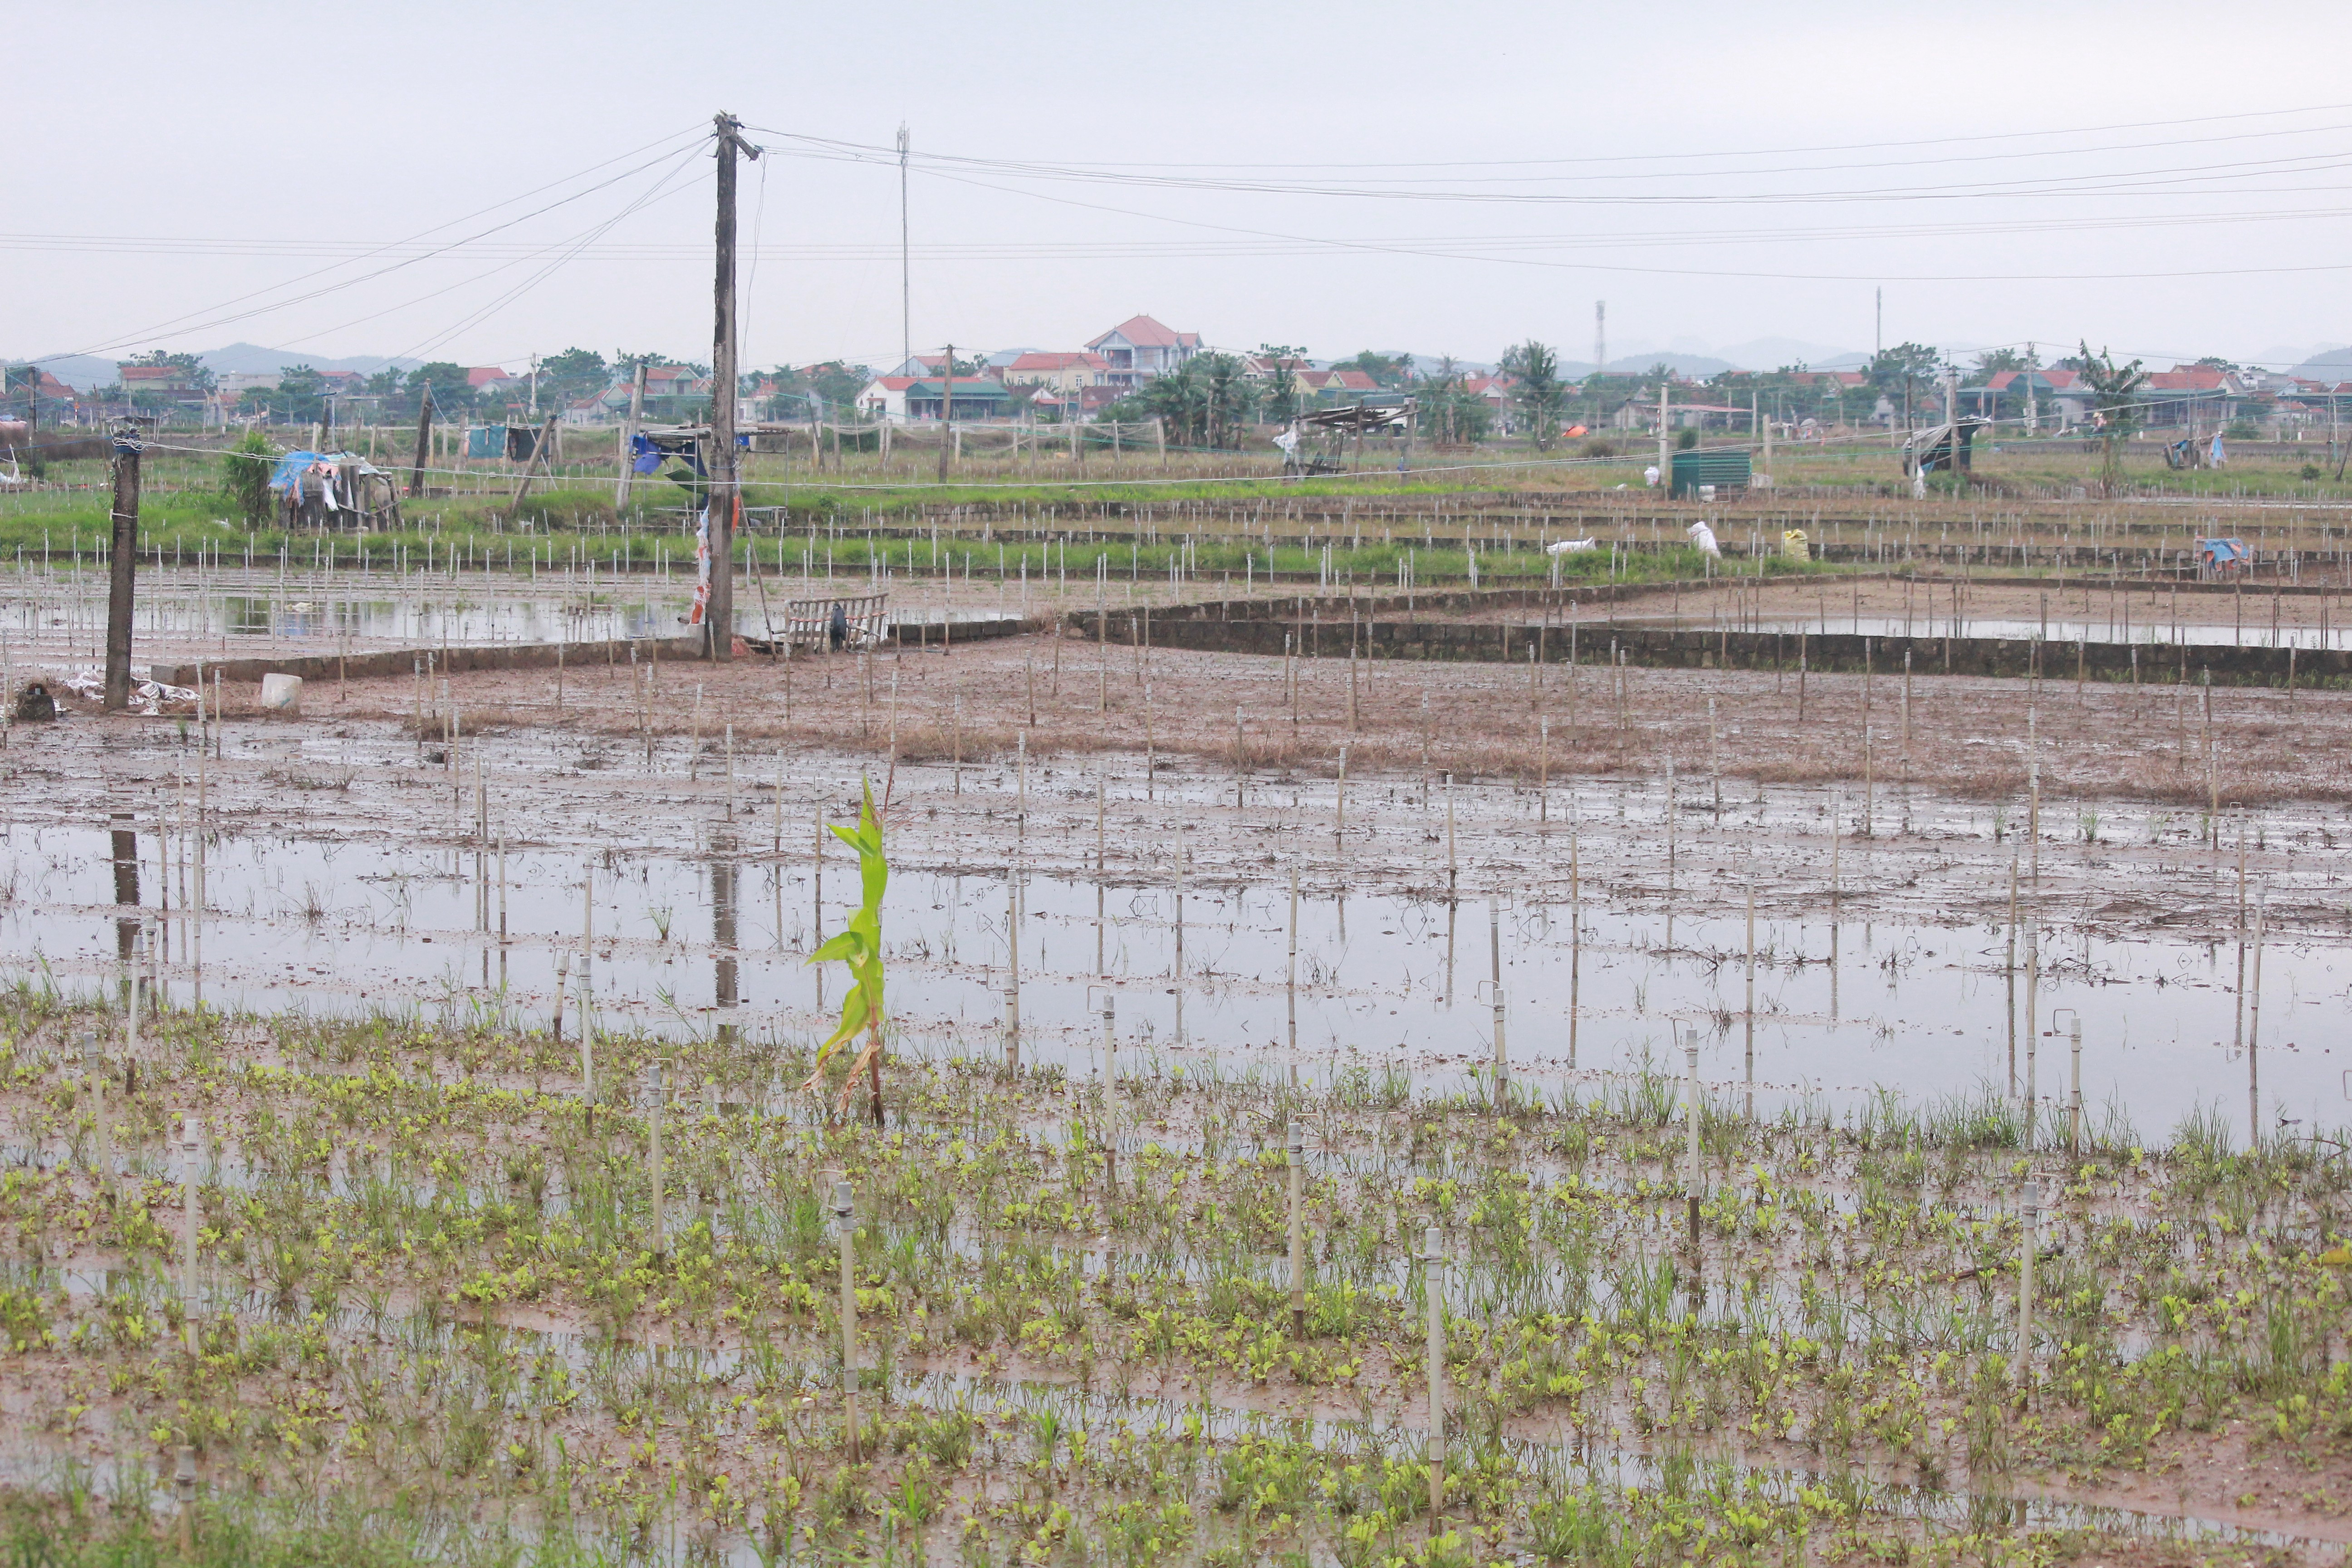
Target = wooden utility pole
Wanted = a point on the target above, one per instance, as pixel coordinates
(121, 562)
(629, 440)
(947, 413)
(423, 441)
(726, 491)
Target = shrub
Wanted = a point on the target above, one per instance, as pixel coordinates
(245, 478)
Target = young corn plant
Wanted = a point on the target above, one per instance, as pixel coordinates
(859, 946)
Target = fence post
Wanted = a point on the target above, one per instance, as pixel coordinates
(1298, 1230)
(2024, 1363)
(1110, 1093)
(654, 1094)
(1690, 1108)
(191, 1140)
(1432, 1258)
(842, 1210)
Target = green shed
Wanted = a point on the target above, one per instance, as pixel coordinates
(1725, 468)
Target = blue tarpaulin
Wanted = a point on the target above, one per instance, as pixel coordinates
(646, 453)
(289, 471)
(2224, 554)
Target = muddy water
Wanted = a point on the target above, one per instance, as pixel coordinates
(244, 613)
(2058, 630)
(1880, 963)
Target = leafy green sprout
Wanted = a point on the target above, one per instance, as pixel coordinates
(859, 946)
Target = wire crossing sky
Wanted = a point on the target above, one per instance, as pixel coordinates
(501, 181)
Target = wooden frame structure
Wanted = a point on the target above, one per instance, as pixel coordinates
(808, 623)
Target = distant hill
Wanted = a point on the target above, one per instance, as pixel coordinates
(1771, 354)
(248, 358)
(83, 371)
(2334, 365)
(1697, 367)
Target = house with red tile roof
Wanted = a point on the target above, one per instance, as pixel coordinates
(149, 384)
(1337, 385)
(2190, 393)
(1139, 349)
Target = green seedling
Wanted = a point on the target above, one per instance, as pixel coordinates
(859, 946)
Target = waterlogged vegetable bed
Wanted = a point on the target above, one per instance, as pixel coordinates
(452, 1298)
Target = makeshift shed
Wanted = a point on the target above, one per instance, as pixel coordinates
(339, 490)
(1719, 468)
(2223, 557)
(512, 442)
(1931, 451)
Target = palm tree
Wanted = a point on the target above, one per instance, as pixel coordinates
(2115, 398)
(1226, 393)
(1540, 391)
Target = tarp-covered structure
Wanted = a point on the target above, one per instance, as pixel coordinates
(332, 490)
(1933, 450)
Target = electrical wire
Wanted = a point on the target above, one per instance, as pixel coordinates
(2146, 181)
(1033, 250)
(189, 323)
(1377, 247)
(662, 186)
(1739, 152)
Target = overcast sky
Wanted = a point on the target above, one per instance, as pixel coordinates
(1448, 178)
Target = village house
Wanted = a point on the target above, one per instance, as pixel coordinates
(1061, 371)
(907, 399)
(1140, 349)
(666, 385)
(1336, 385)
(2057, 397)
(150, 386)
(976, 398)
(2192, 395)
(1262, 367)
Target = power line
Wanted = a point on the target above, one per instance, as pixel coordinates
(1971, 139)
(188, 324)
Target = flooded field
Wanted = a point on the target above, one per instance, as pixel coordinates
(242, 614)
(1244, 1019)
(344, 876)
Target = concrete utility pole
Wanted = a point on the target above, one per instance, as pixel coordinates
(1951, 421)
(947, 413)
(1666, 449)
(121, 562)
(2032, 403)
(725, 491)
(905, 286)
(423, 441)
(629, 440)
(1599, 336)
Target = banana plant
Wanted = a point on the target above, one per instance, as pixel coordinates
(859, 946)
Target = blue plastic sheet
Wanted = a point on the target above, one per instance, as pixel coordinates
(289, 471)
